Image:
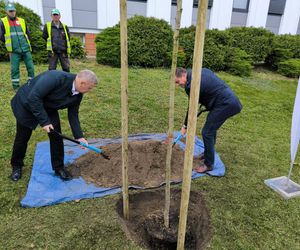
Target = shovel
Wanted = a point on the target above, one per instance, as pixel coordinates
(177, 139)
(97, 150)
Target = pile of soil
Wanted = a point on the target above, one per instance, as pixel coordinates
(146, 223)
(146, 165)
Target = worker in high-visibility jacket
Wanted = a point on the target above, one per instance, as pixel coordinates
(14, 33)
(57, 36)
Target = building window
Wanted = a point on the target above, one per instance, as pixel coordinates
(195, 3)
(240, 5)
(276, 7)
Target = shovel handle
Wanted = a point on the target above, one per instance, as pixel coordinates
(97, 150)
(177, 139)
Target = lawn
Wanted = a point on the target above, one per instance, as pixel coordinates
(254, 146)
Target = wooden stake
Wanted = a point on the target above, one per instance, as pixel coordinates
(192, 120)
(124, 104)
(171, 113)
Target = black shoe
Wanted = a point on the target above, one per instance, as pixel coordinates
(63, 174)
(16, 174)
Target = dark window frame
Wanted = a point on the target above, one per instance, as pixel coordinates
(242, 10)
(195, 3)
(276, 13)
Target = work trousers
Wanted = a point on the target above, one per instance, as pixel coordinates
(53, 58)
(215, 118)
(23, 135)
(15, 59)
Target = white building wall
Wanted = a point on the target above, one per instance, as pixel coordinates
(160, 9)
(108, 13)
(35, 5)
(187, 13)
(220, 15)
(65, 8)
(290, 17)
(258, 13)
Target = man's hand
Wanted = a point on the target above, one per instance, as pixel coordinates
(183, 130)
(48, 128)
(84, 141)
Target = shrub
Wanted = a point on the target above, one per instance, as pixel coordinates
(238, 62)
(149, 43)
(108, 46)
(284, 47)
(186, 42)
(278, 55)
(77, 50)
(290, 68)
(220, 37)
(257, 42)
(214, 54)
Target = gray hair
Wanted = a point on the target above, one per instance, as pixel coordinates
(89, 76)
(180, 72)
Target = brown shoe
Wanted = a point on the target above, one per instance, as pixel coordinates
(203, 169)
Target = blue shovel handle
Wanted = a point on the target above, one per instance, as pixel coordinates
(97, 150)
(177, 139)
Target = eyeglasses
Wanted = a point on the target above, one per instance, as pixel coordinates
(55, 15)
(11, 11)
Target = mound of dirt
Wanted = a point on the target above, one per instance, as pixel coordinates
(146, 222)
(146, 165)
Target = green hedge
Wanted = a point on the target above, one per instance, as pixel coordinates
(290, 68)
(284, 47)
(238, 62)
(149, 43)
(213, 54)
(257, 42)
(77, 49)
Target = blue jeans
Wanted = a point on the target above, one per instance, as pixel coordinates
(215, 118)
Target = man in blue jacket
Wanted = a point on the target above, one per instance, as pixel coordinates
(38, 102)
(221, 103)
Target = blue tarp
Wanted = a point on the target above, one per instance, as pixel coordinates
(46, 189)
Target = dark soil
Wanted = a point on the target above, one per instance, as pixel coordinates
(146, 223)
(146, 165)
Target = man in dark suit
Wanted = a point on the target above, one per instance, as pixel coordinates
(219, 100)
(38, 102)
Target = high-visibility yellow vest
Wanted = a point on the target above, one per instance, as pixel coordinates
(7, 35)
(49, 42)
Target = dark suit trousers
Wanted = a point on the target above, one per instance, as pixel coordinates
(23, 135)
(215, 119)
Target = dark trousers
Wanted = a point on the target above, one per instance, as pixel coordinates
(215, 118)
(62, 57)
(23, 135)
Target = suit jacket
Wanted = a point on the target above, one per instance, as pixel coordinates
(46, 93)
(214, 92)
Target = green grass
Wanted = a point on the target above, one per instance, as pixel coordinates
(253, 145)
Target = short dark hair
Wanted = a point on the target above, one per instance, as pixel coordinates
(180, 72)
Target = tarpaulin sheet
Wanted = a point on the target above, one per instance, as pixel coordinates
(45, 188)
